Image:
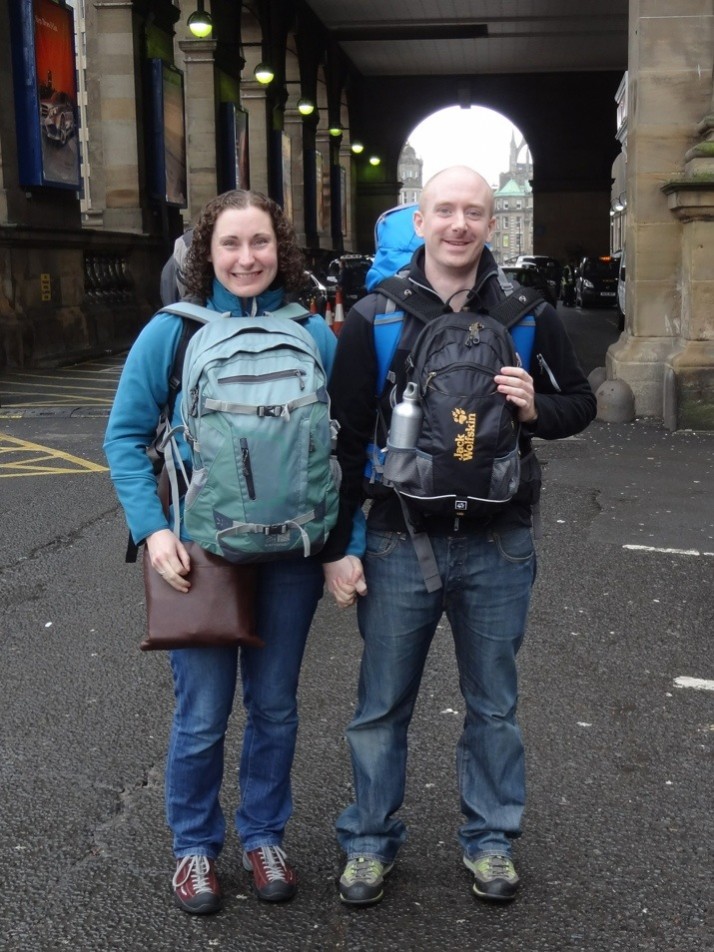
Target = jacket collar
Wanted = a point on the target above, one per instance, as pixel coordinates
(486, 289)
(222, 300)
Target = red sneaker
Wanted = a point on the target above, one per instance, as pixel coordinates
(195, 885)
(273, 877)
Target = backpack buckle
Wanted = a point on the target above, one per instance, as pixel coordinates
(275, 530)
(276, 410)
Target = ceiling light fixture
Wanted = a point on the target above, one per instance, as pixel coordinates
(200, 23)
(264, 74)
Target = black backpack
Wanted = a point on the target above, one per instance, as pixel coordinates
(466, 458)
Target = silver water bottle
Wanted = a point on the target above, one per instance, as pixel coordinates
(406, 420)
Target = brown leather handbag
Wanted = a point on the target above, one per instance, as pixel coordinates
(218, 609)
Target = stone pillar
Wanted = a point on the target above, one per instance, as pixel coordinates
(119, 120)
(689, 370)
(293, 128)
(253, 99)
(201, 158)
(669, 91)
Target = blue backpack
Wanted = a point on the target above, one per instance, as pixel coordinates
(395, 243)
(466, 457)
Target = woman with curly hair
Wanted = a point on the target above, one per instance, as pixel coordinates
(243, 261)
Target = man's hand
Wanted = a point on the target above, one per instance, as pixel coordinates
(517, 386)
(345, 580)
(170, 559)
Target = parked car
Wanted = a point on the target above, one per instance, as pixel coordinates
(348, 273)
(621, 292)
(313, 291)
(596, 283)
(550, 267)
(528, 276)
(57, 117)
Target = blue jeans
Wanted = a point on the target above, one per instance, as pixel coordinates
(204, 687)
(487, 582)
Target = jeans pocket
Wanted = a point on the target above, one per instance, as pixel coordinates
(515, 545)
(381, 544)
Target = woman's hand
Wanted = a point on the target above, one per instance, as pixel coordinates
(170, 559)
(345, 580)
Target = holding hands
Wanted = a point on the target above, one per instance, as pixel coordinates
(345, 580)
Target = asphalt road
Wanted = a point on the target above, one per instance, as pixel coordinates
(616, 852)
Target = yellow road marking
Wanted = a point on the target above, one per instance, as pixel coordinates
(21, 458)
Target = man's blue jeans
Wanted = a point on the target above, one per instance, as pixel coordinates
(204, 686)
(487, 583)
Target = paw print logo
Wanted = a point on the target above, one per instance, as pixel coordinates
(459, 416)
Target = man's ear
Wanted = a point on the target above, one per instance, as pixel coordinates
(419, 223)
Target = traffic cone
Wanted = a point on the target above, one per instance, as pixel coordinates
(328, 313)
(339, 312)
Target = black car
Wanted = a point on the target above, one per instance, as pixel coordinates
(550, 267)
(528, 276)
(348, 273)
(596, 282)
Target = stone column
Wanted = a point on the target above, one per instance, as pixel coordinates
(668, 317)
(119, 120)
(253, 99)
(201, 158)
(689, 370)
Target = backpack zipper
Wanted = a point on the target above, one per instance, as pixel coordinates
(274, 375)
(247, 468)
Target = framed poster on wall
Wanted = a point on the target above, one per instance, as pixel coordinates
(166, 159)
(45, 86)
(233, 132)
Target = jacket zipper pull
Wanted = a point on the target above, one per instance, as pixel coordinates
(545, 369)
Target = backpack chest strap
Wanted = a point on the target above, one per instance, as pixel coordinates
(262, 410)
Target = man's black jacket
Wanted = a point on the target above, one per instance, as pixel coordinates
(564, 401)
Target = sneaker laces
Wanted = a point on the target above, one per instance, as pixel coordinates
(364, 869)
(499, 866)
(274, 862)
(195, 868)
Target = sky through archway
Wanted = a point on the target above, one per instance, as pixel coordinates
(478, 137)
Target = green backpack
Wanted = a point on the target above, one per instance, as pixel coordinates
(256, 418)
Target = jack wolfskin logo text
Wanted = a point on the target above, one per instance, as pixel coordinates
(465, 441)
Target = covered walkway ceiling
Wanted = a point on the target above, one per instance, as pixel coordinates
(457, 37)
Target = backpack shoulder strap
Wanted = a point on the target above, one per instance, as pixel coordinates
(389, 321)
(196, 312)
(511, 309)
(397, 289)
(293, 312)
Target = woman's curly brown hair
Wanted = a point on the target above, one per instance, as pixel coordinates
(198, 270)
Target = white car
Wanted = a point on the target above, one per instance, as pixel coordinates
(621, 292)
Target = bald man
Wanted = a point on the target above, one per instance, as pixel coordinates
(487, 567)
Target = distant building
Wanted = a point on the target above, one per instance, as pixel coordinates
(513, 234)
(409, 171)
